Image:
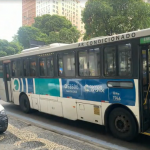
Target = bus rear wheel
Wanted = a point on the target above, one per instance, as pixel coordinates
(122, 124)
(25, 104)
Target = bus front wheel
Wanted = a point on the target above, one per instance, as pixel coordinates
(122, 124)
(25, 104)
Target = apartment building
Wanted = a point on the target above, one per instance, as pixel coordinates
(28, 12)
(71, 9)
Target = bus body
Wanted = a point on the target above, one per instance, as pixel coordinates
(103, 81)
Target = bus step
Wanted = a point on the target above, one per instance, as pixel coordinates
(147, 132)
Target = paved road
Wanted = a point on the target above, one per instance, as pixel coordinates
(24, 136)
(93, 133)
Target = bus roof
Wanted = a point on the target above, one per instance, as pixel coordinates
(97, 41)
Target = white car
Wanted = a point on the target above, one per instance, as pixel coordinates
(3, 119)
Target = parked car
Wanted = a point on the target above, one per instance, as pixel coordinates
(3, 119)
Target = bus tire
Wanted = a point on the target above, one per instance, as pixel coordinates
(25, 104)
(122, 124)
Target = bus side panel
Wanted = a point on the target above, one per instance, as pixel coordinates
(2, 90)
(2, 85)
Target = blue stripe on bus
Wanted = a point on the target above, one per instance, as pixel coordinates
(97, 90)
(24, 85)
(20, 85)
(30, 85)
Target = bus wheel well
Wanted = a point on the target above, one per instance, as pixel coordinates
(22, 93)
(112, 107)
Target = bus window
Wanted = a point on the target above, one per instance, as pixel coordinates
(42, 62)
(50, 67)
(83, 63)
(16, 68)
(32, 66)
(19, 67)
(69, 64)
(110, 61)
(60, 65)
(13, 68)
(124, 54)
(25, 67)
(94, 62)
(1, 70)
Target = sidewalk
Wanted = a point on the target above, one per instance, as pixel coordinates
(24, 136)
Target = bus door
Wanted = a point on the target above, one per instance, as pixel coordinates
(7, 79)
(145, 87)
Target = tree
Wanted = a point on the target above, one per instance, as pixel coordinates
(17, 46)
(58, 28)
(69, 35)
(48, 23)
(53, 37)
(26, 33)
(2, 54)
(9, 48)
(108, 17)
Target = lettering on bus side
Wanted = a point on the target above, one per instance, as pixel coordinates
(108, 39)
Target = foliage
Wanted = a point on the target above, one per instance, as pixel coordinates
(108, 17)
(9, 48)
(69, 35)
(2, 54)
(27, 33)
(54, 23)
(58, 29)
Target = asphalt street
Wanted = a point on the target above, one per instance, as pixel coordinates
(82, 131)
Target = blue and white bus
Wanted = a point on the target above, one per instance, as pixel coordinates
(103, 81)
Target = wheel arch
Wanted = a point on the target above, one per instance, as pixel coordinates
(112, 107)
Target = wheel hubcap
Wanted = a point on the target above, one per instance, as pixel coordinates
(122, 123)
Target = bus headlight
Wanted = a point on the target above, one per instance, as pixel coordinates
(2, 112)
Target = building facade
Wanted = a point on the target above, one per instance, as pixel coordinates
(71, 9)
(28, 12)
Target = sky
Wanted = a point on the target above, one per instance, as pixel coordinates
(11, 17)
